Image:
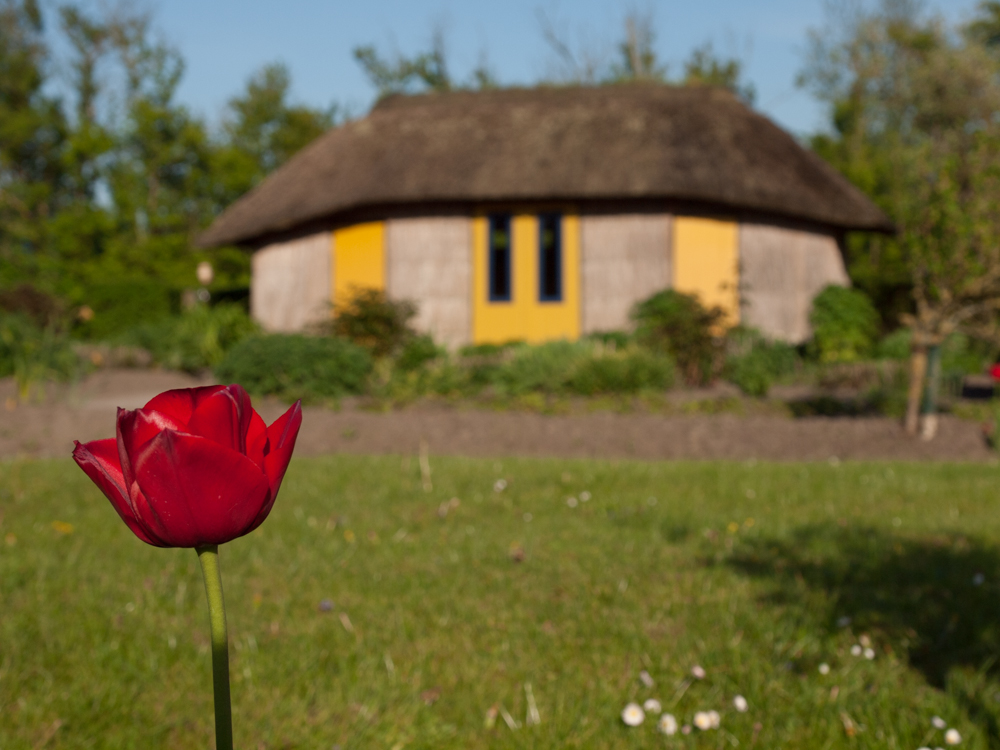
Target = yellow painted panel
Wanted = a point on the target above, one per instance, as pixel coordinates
(706, 263)
(358, 259)
(524, 317)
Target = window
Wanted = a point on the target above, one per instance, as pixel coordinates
(549, 258)
(499, 258)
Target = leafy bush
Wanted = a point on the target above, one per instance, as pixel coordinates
(895, 345)
(41, 308)
(582, 367)
(372, 320)
(33, 354)
(845, 325)
(621, 371)
(119, 306)
(195, 340)
(296, 366)
(417, 352)
(753, 363)
(674, 323)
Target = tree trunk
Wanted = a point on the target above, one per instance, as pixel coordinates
(914, 395)
(929, 411)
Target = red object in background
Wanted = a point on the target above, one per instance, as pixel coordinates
(193, 467)
(995, 371)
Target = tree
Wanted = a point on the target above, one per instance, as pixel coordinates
(262, 130)
(704, 68)
(914, 107)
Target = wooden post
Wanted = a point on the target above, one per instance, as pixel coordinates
(918, 373)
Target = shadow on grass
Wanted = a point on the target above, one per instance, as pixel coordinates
(935, 596)
(938, 595)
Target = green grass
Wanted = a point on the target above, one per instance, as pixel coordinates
(109, 637)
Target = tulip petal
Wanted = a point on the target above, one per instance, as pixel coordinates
(223, 417)
(258, 445)
(180, 404)
(200, 491)
(133, 430)
(281, 436)
(99, 460)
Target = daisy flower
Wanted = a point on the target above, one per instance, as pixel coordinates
(633, 715)
(938, 723)
(952, 737)
(652, 706)
(740, 703)
(667, 724)
(824, 668)
(703, 720)
(698, 672)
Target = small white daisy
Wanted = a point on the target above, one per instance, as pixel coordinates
(571, 502)
(652, 706)
(698, 672)
(952, 737)
(855, 650)
(714, 719)
(824, 668)
(668, 724)
(500, 485)
(584, 496)
(869, 653)
(686, 729)
(645, 678)
(702, 720)
(938, 722)
(740, 704)
(632, 715)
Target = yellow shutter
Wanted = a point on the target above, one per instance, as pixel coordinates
(706, 263)
(358, 259)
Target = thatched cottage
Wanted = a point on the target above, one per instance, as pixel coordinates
(547, 213)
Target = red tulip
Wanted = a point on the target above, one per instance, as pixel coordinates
(193, 467)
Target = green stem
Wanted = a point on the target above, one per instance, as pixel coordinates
(209, 557)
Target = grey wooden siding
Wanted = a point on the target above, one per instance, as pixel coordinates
(781, 271)
(429, 261)
(624, 258)
(290, 286)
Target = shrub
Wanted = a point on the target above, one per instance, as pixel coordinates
(296, 366)
(542, 368)
(195, 340)
(41, 308)
(417, 352)
(372, 320)
(119, 306)
(677, 324)
(895, 345)
(845, 325)
(621, 371)
(33, 354)
(753, 363)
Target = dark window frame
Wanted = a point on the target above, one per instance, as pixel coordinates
(545, 289)
(499, 221)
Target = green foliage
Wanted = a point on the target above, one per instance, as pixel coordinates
(845, 325)
(118, 306)
(308, 367)
(33, 354)
(542, 368)
(372, 320)
(621, 371)
(753, 363)
(198, 339)
(895, 345)
(417, 352)
(678, 324)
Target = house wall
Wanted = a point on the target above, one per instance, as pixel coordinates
(429, 261)
(782, 270)
(624, 258)
(706, 263)
(290, 283)
(524, 317)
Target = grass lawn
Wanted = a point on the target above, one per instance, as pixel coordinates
(749, 571)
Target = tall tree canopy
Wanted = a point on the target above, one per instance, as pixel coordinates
(915, 122)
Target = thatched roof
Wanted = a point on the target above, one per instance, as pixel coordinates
(586, 144)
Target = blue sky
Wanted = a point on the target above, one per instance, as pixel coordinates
(225, 41)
